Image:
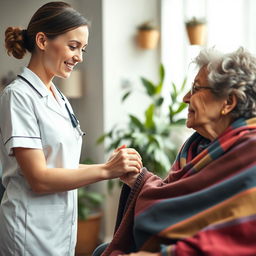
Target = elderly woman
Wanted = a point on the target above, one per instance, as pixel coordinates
(207, 204)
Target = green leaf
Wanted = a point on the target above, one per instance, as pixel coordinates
(159, 87)
(162, 73)
(110, 185)
(136, 122)
(180, 121)
(150, 149)
(160, 141)
(88, 202)
(182, 106)
(174, 92)
(149, 116)
(171, 113)
(102, 138)
(183, 84)
(125, 96)
(87, 161)
(140, 139)
(94, 197)
(149, 86)
(83, 213)
(159, 101)
(162, 158)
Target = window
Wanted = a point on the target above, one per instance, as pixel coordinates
(229, 25)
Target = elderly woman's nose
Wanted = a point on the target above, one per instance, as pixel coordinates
(186, 97)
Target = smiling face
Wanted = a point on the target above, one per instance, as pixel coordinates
(204, 112)
(61, 54)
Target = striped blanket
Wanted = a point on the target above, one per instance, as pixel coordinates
(206, 205)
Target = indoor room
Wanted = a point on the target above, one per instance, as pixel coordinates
(129, 89)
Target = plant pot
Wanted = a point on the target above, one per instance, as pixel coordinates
(197, 34)
(88, 234)
(148, 39)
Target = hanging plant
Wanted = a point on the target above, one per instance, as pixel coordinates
(196, 30)
(148, 35)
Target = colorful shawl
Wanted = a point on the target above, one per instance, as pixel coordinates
(206, 205)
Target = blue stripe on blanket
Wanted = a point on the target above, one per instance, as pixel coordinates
(180, 208)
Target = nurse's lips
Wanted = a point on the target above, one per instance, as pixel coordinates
(69, 65)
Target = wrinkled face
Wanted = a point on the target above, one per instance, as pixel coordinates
(204, 110)
(65, 51)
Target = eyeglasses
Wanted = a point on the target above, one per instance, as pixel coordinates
(196, 88)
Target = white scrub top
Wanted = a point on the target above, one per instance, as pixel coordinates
(30, 117)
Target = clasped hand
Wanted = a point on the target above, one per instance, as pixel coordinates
(124, 162)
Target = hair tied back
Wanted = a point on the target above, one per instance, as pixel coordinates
(25, 37)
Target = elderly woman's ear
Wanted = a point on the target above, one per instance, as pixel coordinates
(229, 104)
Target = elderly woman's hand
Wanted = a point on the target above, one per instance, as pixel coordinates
(129, 178)
(141, 253)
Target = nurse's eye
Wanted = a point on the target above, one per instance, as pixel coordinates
(71, 47)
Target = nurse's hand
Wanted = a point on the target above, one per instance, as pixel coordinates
(129, 178)
(123, 161)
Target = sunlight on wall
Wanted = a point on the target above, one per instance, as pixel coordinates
(229, 26)
(227, 21)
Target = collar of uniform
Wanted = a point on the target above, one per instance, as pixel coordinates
(35, 81)
(42, 90)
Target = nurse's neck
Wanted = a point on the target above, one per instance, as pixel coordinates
(41, 72)
(47, 81)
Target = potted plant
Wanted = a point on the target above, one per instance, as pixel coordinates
(148, 35)
(150, 136)
(89, 219)
(196, 30)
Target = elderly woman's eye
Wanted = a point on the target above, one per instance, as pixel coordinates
(196, 89)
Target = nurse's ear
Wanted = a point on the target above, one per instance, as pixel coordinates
(41, 40)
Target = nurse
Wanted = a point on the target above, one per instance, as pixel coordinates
(41, 139)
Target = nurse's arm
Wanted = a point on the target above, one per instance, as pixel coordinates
(50, 180)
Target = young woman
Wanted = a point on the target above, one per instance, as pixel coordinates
(41, 138)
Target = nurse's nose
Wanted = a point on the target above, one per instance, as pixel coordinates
(78, 57)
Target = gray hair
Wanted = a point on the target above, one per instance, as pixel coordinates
(233, 73)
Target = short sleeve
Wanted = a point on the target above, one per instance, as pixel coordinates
(18, 122)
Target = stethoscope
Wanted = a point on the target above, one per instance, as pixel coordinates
(73, 119)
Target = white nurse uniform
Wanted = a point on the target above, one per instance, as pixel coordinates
(30, 117)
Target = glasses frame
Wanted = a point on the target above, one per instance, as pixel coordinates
(196, 88)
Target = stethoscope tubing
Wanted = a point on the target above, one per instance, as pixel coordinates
(73, 119)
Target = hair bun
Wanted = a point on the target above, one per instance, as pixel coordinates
(15, 42)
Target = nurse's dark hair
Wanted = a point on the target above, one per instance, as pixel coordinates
(53, 19)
